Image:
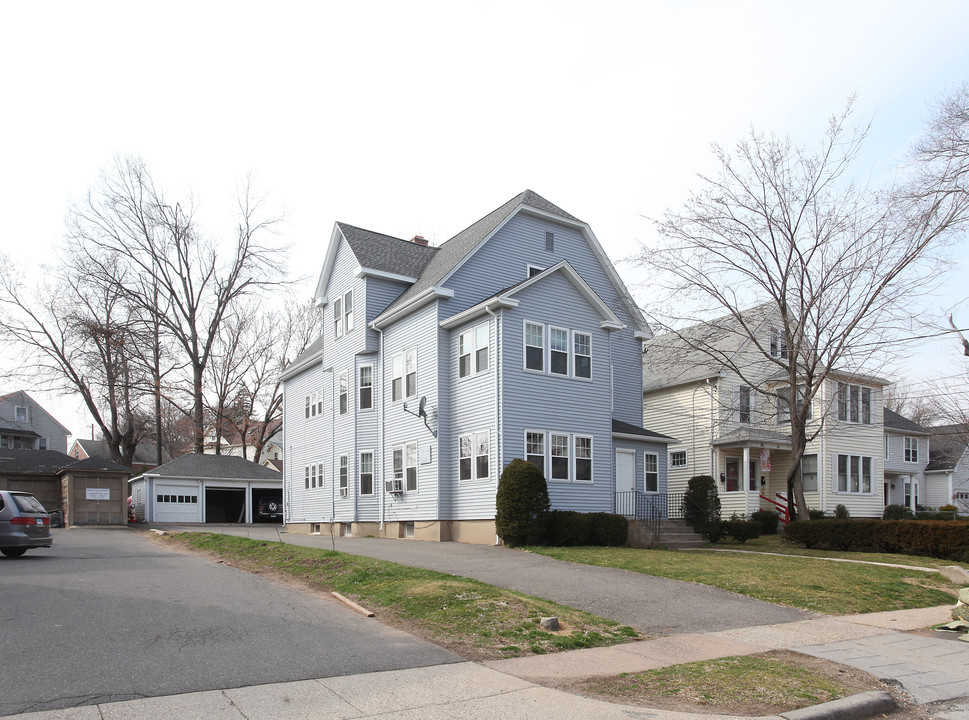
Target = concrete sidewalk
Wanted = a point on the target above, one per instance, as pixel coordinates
(934, 669)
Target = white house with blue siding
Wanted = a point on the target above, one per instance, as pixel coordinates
(437, 366)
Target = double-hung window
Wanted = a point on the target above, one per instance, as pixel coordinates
(535, 449)
(20, 413)
(344, 474)
(343, 314)
(778, 344)
(474, 453)
(582, 343)
(366, 473)
(650, 472)
(473, 350)
(404, 375)
(559, 447)
(306, 477)
(583, 458)
(344, 391)
(314, 404)
(854, 403)
(366, 387)
(854, 474)
(809, 473)
(410, 468)
(534, 347)
(558, 351)
(911, 449)
(743, 410)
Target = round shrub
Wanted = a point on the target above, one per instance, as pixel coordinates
(768, 519)
(841, 512)
(815, 514)
(741, 529)
(521, 504)
(948, 508)
(701, 507)
(897, 512)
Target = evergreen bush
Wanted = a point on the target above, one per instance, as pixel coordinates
(607, 529)
(521, 504)
(947, 540)
(897, 512)
(841, 512)
(566, 528)
(768, 519)
(701, 507)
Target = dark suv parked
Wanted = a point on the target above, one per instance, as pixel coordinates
(270, 508)
(24, 523)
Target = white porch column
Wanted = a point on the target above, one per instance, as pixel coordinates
(745, 479)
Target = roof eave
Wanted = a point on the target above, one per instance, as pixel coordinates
(645, 438)
(478, 310)
(437, 292)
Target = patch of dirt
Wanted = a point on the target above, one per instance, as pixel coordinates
(616, 690)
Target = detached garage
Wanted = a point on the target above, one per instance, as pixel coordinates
(198, 488)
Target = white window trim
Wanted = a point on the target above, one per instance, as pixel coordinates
(320, 474)
(861, 476)
(343, 395)
(546, 348)
(373, 472)
(862, 389)
(575, 458)
(525, 346)
(348, 315)
(416, 466)
(360, 387)
(907, 451)
(544, 436)
(533, 270)
(343, 472)
(472, 351)
(646, 472)
(568, 350)
(403, 378)
(473, 437)
(674, 464)
(551, 457)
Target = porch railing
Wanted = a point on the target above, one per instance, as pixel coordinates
(650, 508)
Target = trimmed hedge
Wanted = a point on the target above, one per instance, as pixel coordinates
(568, 527)
(742, 530)
(897, 512)
(768, 519)
(947, 540)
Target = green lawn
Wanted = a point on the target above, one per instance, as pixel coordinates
(819, 585)
(476, 620)
(776, 544)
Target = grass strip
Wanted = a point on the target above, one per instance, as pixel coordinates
(818, 585)
(473, 619)
(760, 684)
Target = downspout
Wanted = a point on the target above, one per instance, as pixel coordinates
(378, 382)
(713, 467)
(499, 440)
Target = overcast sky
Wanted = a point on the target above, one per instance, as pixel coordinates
(419, 117)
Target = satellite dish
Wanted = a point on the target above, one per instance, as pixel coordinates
(421, 412)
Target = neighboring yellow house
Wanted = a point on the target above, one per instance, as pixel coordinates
(742, 438)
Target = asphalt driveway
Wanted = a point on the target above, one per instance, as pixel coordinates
(652, 605)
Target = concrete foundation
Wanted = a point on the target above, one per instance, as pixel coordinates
(475, 532)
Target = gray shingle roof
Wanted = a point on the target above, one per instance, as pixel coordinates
(696, 352)
(618, 426)
(97, 464)
(894, 421)
(388, 254)
(224, 467)
(33, 462)
(457, 248)
(144, 453)
(947, 445)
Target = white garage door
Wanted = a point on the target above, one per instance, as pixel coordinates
(177, 503)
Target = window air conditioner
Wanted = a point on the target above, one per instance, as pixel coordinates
(395, 485)
(344, 492)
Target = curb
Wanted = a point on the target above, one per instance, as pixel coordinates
(854, 706)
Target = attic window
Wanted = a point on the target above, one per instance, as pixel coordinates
(549, 241)
(20, 413)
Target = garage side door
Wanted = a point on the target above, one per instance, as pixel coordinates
(177, 503)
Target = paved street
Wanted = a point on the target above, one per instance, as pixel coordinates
(108, 615)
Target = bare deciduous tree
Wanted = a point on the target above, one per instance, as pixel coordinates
(166, 268)
(835, 265)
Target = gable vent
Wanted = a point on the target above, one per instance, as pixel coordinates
(549, 241)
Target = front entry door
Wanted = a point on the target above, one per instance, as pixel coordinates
(625, 483)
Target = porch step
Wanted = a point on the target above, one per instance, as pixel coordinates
(673, 535)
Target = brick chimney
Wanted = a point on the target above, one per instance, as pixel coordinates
(419, 240)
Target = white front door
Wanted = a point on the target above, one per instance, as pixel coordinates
(625, 470)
